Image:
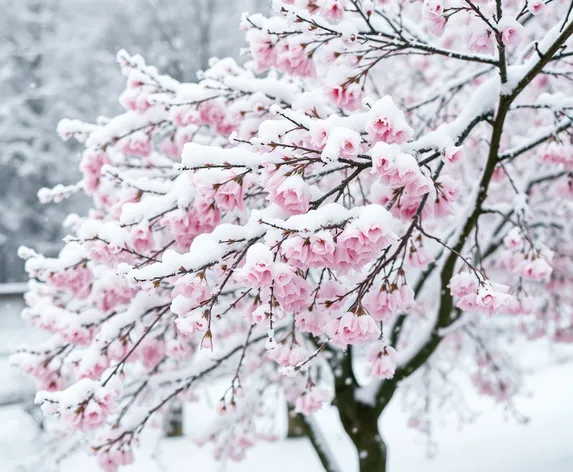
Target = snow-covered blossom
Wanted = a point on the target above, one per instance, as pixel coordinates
(311, 400)
(351, 328)
(382, 360)
(511, 31)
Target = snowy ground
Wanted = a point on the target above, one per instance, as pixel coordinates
(494, 442)
(13, 333)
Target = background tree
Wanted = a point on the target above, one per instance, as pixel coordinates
(38, 42)
(363, 206)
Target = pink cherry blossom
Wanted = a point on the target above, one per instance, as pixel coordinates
(151, 352)
(433, 7)
(513, 240)
(286, 355)
(387, 123)
(348, 142)
(333, 9)
(481, 38)
(382, 360)
(257, 271)
(229, 196)
(212, 113)
(90, 166)
(178, 349)
(383, 304)
(93, 368)
(489, 299)
(191, 324)
(138, 144)
(141, 237)
(312, 321)
(297, 250)
(352, 329)
(446, 192)
(170, 148)
(433, 14)
(534, 269)
(316, 250)
(453, 154)
(193, 291)
(293, 195)
(511, 31)
(292, 57)
(383, 156)
(110, 460)
(311, 400)
(290, 289)
(262, 49)
(346, 96)
(419, 257)
(436, 24)
(321, 249)
(78, 335)
(404, 171)
(535, 7)
(463, 283)
(318, 135)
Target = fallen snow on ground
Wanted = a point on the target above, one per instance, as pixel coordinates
(13, 334)
(494, 442)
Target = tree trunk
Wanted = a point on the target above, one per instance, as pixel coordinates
(372, 454)
(296, 427)
(361, 424)
(174, 423)
(360, 418)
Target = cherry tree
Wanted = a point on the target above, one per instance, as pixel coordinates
(379, 197)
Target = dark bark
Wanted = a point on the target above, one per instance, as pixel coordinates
(296, 427)
(361, 424)
(174, 426)
(360, 420)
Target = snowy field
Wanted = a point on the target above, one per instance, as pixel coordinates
(491, 443)
(495, 441)
(13, 333)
